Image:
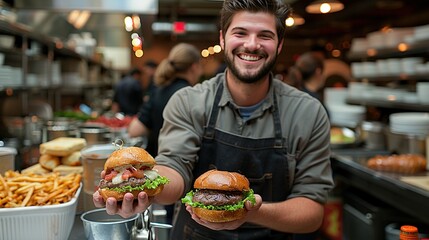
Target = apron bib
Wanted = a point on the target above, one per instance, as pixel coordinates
(263, 161)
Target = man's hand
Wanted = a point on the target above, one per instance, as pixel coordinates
(252, 209)
(127, 208)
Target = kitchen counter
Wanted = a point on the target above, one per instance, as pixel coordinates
(349, 167)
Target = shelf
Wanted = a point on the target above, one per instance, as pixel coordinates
(417, 48)
(389, 104)
(401, 77)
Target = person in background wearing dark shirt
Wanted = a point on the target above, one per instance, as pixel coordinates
(128, 96)
(307, 74)
(149, 68)
(182, 68)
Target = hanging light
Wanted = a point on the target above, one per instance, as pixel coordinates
(324, 6)
(294, 20)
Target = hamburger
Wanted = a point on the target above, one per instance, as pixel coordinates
(219, 196)
(130, 170)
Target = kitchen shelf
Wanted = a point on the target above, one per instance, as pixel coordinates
(389, 104)
(418, 48)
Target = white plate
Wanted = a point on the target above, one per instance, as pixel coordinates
(411, 118)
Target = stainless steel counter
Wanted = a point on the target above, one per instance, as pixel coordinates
(349, 167)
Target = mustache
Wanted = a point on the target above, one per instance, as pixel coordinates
(245, 51)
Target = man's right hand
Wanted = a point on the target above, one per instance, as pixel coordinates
(127, 208)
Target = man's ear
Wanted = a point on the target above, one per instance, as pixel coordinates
(221, 40)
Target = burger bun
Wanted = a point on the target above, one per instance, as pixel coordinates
(222, 180)
(134, 156)
(219, 216)
(106, 193)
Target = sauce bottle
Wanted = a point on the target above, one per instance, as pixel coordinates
(408, 232)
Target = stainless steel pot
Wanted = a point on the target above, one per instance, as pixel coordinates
(403, 143)
(373, 134)
(94, 133)
(100, 225)
(59, 127)
(93, 158)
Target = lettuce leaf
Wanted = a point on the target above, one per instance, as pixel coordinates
(148, 184)
(248, 197)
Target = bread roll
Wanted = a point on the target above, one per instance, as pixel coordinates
(36, 169)
(403, 163)
(64, 170)
(49, 162)
(62, 146)
(72, 159)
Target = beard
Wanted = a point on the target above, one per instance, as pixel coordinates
(246, 77)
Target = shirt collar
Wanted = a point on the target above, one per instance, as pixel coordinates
(227, 98)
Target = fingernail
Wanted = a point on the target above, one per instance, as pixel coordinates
(110, 202)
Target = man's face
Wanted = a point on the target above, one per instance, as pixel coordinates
(251, 45)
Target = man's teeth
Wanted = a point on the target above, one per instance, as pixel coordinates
(249, 58)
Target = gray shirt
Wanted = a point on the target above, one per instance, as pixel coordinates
(305, 126)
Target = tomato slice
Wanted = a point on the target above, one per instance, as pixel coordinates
(138, 174)
(127, 174)
(110, 176)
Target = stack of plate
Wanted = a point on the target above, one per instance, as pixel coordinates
(346, 115)
(411, 123)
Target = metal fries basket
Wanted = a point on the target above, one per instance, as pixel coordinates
(39, 222)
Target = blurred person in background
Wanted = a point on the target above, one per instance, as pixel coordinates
(180, 69)
(307, 74)
(148, 72)
(128, 93)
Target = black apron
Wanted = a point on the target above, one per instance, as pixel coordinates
(263, 161)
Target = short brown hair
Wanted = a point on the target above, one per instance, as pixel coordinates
(276, 7)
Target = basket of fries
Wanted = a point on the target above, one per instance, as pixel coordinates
(34, 206)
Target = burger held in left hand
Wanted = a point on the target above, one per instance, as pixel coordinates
(219, 196)
(130, 170)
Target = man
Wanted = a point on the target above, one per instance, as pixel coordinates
(128, 94)
(245, 121)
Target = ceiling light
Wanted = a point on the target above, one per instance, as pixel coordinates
(294, 20)
(324, 6)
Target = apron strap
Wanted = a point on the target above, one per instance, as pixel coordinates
(277, 125)
(210, 129)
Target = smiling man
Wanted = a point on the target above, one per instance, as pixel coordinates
(244, 120)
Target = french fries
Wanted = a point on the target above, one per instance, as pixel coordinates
(30, 189)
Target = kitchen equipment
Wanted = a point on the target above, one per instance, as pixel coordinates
(94, 133)
(39, 222)
(59, 127)
(146, 231)
(100, 225)
(405, 143)
(373, 135)
(93, 159)
(7, 159)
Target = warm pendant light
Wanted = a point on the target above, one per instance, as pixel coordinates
(294, 20)
(324, 6)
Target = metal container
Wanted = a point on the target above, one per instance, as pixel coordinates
(93, 159)
(94, 133)
(100, 225)
(373, 134)
(59, 127)
(403, 143)
(7, 159)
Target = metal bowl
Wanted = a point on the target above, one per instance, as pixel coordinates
(100, 225)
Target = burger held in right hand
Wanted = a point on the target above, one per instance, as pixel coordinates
(220, 196)
(130, 170)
